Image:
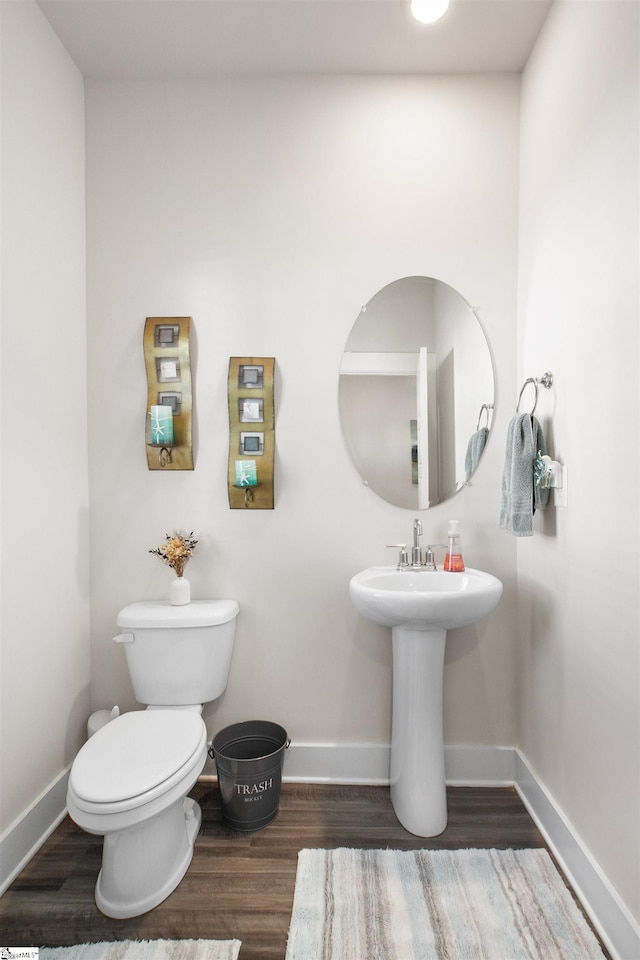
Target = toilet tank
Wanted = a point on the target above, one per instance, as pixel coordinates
(178, 655)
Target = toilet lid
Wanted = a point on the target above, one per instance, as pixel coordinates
(135, 753)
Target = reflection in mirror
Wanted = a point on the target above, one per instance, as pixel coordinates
(416, 392)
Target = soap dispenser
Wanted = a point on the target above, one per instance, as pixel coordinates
(453, 560)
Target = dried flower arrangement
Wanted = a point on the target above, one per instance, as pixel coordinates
(176, 550)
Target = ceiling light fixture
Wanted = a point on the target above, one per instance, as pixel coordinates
(428, 11)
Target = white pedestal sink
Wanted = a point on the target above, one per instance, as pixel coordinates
(420, 606)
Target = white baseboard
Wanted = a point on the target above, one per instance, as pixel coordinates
(366, 763)
(26, 835)
(369, 764)
(611, 918)
(479, 766)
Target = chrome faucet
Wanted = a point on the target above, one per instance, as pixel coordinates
(419, 560)
(416, 550)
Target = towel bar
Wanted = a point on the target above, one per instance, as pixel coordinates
(546, 381)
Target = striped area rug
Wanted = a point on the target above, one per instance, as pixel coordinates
(435, 905)
(142, 950)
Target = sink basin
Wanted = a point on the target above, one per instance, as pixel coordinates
(433, 598)
(420, 606)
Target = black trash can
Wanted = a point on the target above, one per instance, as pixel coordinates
(249, 757)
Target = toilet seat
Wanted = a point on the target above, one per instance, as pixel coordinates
(136, 758)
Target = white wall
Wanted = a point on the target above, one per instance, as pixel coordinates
(270, 211)
(44, 485)
(578, 309)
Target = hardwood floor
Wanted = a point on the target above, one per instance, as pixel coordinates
(241, 885)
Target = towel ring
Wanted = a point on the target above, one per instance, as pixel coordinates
(546, 381)
(485, 408)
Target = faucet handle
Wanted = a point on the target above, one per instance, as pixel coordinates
(403, 559)
(429, 556)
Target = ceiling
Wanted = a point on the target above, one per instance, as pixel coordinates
(204, 39)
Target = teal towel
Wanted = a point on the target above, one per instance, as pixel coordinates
(475, 449)
(520, 495)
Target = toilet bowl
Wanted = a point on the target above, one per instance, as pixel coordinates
(129, 784)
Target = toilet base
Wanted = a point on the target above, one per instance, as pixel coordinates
(143, 864)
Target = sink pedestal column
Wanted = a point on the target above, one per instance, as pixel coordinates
(418, 791)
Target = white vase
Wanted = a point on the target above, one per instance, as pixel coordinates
(179, 592)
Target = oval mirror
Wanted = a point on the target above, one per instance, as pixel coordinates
(416, 392)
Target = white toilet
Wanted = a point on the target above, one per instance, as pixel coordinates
(129, 782)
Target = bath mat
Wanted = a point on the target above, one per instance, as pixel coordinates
(146, 950)
(435, 905)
